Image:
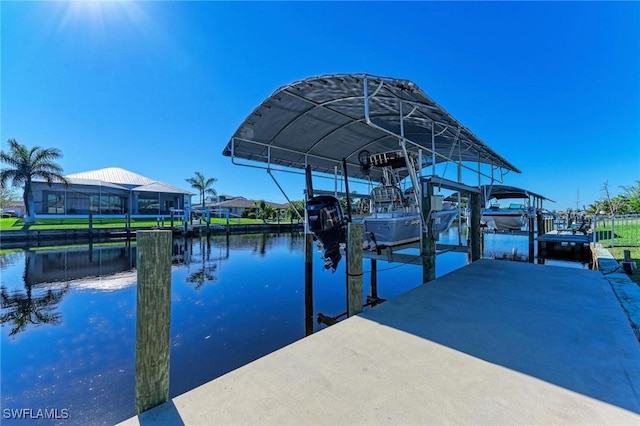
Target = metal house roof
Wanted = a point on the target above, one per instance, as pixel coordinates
(161, 187)
(88, 182)
(321, 120)
(114, 175)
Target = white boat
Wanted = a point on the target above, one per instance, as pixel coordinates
(515, 215)
(443, 219)
(510, 218)
(395, 217)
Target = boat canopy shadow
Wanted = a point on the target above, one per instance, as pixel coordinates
(563, 326)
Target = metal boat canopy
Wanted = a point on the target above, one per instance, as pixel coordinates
(501, 192)
(321, 120)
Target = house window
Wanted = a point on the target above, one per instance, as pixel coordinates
(106, 204)
(94, 203)
(112, 204)
(148, 205)
(55, 203)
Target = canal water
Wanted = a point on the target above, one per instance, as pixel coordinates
(68, 317)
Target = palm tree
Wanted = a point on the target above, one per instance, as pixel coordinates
(295, 208)
(265, 210)
(26, 164)
(202, 184)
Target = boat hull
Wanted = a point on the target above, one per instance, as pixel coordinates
(443, 219)
(392, 231)
(510, 220)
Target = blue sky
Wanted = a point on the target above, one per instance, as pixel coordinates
(159, 88)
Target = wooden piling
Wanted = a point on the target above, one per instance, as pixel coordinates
(90, 225)
(153, 309)
(374, 279)
(428, 246)
(475, 231)
(308, 284)
(532, 224)
(541, 225)
(354, 268)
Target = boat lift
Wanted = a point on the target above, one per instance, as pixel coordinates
(325, 122)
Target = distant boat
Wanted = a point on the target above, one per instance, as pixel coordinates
(511, 218)
(514, 216)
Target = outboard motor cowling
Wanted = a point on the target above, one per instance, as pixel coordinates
(327, 223)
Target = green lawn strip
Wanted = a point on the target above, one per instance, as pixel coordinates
(13, 224)
(10, 250)
(81, 246)
(618, 254)
(67, 246)
(627, 232)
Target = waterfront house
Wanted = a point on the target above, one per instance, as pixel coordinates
(236, 206)
(110, 191)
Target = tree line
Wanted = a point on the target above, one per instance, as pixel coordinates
(628, 202)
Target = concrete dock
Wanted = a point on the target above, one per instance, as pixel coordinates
(495, 342)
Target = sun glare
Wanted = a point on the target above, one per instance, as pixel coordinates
(101, 14)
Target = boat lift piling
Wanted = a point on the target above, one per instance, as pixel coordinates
(308, 284)
(427, 242)
(475, 235)
(532, 237)
(308, 257)
(354, 268)
(354, 254)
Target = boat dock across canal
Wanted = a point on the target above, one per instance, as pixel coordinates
(494, 342)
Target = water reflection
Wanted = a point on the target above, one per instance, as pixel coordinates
(204, 263)
(50, 272)
(233, 300)
(34, 306)
(76, 263)
(8, 258)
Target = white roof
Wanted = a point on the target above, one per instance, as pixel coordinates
(114, 175)
(162, 187)
(93, 182)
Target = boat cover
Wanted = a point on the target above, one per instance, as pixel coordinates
(321, 120)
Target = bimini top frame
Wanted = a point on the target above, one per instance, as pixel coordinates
(321, 120)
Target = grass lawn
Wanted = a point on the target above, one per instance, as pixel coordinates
(13, 224)
(618, 254)
(627, 232)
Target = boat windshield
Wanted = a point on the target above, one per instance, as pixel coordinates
(386, 198)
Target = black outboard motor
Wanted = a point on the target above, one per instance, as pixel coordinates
(327, 223)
